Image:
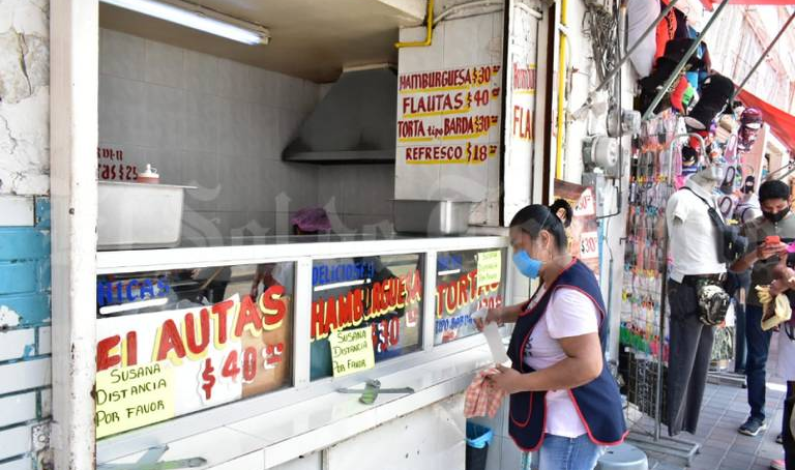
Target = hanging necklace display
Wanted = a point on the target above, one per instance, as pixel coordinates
(645, 257)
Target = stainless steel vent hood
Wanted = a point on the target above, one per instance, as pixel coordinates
(355, 122)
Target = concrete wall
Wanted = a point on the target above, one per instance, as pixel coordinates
(25, 345)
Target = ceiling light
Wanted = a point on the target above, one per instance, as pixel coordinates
(199, 18)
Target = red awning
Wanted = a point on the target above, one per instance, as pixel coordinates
(709, 4)
(781, 123)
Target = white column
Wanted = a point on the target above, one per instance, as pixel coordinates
(74, 29)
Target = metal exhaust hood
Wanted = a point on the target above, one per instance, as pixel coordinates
(355, 122)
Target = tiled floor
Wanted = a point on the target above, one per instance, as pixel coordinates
(722, 447)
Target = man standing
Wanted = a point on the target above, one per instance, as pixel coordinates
(763, 255)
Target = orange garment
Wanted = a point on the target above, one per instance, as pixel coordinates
(666, 30)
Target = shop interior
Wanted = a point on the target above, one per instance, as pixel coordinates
(304, 119)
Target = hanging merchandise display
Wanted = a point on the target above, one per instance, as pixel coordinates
(644, 268)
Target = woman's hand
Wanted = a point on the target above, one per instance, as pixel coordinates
(508, 379)
(493, 315)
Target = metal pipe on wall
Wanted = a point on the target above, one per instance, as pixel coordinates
(428, 32)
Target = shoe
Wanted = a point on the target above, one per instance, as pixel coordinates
(752, 427)
(778, 464)
(780, 439)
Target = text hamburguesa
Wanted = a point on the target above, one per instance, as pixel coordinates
(382, 298)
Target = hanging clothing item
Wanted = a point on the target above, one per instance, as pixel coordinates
(598, 402)
(665, 66)
(640, 15)
(482, 396)
(673, 26)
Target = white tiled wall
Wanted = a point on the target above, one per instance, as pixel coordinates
(221, 126)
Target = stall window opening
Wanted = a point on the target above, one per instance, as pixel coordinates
(364, 311)
(172, 343)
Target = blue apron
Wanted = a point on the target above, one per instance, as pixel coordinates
(598, 402)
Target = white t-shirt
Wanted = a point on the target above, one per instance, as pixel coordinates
(569, 313)
(693, 235)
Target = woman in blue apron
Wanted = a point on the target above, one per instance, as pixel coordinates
(563, 401)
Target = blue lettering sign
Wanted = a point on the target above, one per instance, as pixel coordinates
(324, 274)
(133, 290)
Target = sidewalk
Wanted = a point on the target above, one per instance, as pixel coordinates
(724, 410)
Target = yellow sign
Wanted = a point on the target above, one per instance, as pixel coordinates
(352, 351)
(489, 268)
(132, 397)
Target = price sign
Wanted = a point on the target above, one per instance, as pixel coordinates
(589, 245)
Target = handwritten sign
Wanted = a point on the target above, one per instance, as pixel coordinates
(111, 168)
(132, 397)
(352, 351)
(206, 355)
(449, 116)
(489, 268)
(583, 232)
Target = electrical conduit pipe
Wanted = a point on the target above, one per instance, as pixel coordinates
(561, 89)
(428, 33)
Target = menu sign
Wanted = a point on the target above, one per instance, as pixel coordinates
(466, 281)
(449, 116)
(364, 310)
(170, 344)
(583, 233)
(521, 80)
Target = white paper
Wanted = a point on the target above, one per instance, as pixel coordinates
(493, 338)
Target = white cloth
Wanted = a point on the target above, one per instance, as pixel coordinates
(693, 235)
(569, 313)
(640, 15)
(786, 356)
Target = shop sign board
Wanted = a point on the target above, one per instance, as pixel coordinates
(164, 353)
(364, 311)
(449, 116)
(520, 107)
(474, 282)
(583, 233)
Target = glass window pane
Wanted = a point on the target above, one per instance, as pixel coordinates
(170, 343)
(459, 293)
(380, 295)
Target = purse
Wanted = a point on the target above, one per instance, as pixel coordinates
(713, 302)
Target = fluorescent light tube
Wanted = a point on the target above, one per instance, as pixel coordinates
(111, 309)
(358, 282)
(448, 272)
(196, 18)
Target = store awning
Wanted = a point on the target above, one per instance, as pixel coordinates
(709, 4)
(781, 123)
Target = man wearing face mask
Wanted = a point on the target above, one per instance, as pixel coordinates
(563, 401)
(762, 257)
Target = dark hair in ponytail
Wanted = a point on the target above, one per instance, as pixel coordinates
(562, 204)
(536, 217)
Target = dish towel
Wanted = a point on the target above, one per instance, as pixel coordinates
(482, 396)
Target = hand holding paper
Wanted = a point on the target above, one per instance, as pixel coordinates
(493, 338)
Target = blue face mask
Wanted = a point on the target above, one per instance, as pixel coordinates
(528, 266)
